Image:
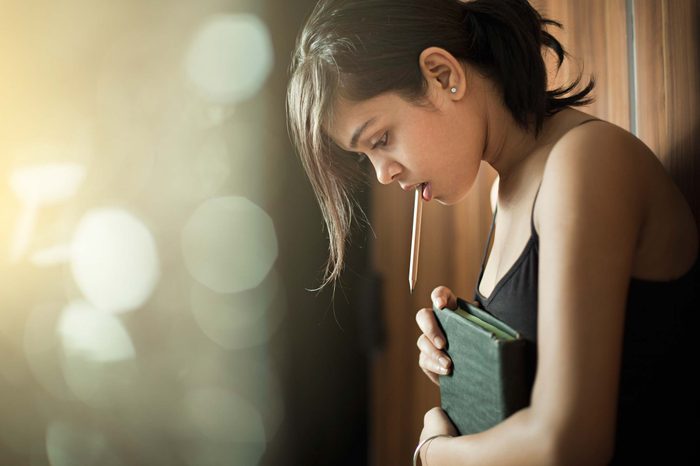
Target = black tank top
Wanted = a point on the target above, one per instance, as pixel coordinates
(658, 394)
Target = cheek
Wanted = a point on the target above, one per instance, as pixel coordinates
(466, 150)
(431, 149)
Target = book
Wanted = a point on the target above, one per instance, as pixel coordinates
(491, 377)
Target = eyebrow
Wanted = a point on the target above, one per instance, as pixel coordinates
(358, 132)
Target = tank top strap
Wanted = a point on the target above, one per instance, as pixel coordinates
(533, 232)
(488, 243)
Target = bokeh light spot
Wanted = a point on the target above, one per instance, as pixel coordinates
(239, 320)
(98, 358)
(229, 244)
(230, 57)
(93, 334)
(114, 260)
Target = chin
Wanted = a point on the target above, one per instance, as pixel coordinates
(446, 203)
(450, 201)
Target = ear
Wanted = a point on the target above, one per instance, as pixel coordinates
(442, 71)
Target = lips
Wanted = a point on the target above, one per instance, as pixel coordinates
(426, 189)
(411, 187)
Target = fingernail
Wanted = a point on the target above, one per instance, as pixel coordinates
(439, 343)
(443, 362)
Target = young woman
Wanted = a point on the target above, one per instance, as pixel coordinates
(427, 89)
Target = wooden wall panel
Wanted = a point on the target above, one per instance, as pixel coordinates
(595, 34)
(668, 97)
(401, 393)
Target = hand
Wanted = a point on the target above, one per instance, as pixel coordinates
(435, 422)
(428, 343)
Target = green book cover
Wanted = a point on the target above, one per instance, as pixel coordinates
(489, 379)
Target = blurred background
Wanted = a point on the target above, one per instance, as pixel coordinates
(159, 238)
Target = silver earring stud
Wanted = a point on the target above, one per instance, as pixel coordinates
(453, 90)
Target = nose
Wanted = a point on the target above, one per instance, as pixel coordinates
(387, 171)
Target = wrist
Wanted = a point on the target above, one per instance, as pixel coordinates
(423, 449)
(433, 448)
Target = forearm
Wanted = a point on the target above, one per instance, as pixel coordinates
(516, 441)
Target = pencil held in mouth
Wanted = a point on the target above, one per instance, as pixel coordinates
(415, 237)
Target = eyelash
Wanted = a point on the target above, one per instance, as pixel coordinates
(385, 138)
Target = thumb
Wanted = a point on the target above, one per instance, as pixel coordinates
(444, 297)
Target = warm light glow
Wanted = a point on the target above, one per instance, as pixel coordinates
(140, 288)
(51, 256)
(37, 186)
(48, 183)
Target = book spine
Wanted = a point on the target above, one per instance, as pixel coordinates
(516, 383)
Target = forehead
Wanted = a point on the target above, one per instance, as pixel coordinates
(349, 116)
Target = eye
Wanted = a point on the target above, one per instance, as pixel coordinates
(361, 158)
(382, 142)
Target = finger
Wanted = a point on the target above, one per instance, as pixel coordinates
(428, 363)
(427, 322)
(444, 297)
(434, 411)
(434, 359)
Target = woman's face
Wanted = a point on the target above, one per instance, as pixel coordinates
(410, 145)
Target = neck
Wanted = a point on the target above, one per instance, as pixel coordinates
(509, 147)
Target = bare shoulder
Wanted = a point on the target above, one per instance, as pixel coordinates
(668, 238)
(606, 160)
(601, 145)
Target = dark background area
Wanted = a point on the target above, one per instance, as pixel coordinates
(326, 345)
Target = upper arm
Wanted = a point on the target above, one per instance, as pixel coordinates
(590, 206)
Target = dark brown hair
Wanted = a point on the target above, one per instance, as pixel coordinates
(359, 49)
